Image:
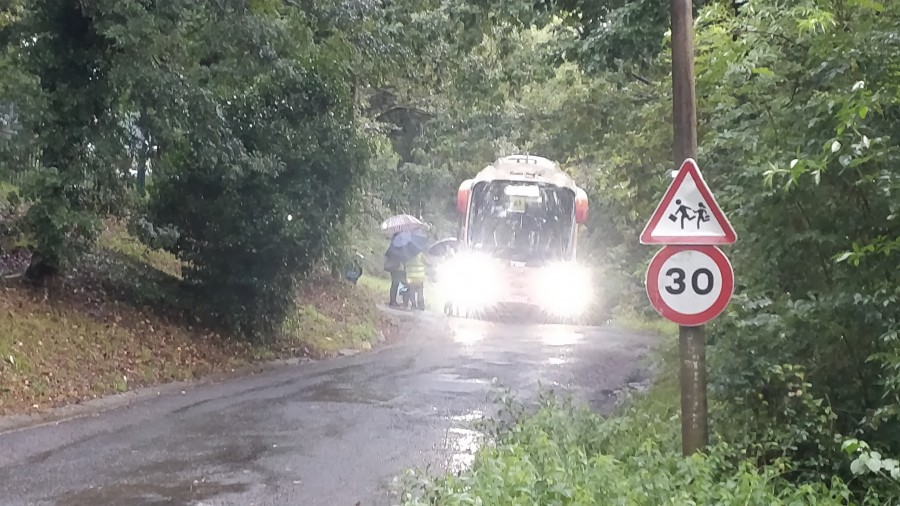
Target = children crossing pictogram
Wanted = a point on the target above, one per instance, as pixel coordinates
(683, 212)
(688, 213)
(702, 215)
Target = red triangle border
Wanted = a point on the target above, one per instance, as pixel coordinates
(689, 167)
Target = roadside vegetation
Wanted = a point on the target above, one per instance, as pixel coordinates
(798, 120)
(242, 166)
(560, 452)
(174, 203)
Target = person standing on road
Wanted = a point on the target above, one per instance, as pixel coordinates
(415, 278)
(394, 266)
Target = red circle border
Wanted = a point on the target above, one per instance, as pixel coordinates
(690, 320)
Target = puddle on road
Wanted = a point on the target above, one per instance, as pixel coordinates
(469, 417)
(463, 444)
(178, 456)
(355, 394)
(470, 333)
(450, 383)
(556, 360)
(561, 336)
(467, 335)
(190, 492)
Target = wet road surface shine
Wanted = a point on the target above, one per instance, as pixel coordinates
(327, 433)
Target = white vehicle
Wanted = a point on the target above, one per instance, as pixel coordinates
(518, 242)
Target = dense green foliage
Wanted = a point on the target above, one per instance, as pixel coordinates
(253, 146)
(255, 194)
(70, 61)
(243, 133)
(812, 123)
(283, 144)
(798, 110)
(563, 454)
(798, 120)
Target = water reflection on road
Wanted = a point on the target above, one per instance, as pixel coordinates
(462, 444)
(332, 432)
(468, 332)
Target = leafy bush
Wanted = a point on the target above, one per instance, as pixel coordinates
(815, 202)
(60, 228)
(564, 454)
(72, 115)
(154, 236)
(797, 114)
(255, 195)
(771, 412)
(877, 472)
(8, 216)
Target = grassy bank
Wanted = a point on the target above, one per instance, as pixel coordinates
(121, 320)
(382, 286)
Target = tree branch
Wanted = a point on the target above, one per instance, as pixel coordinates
(773, 34)
(411, 109)
(640, 78)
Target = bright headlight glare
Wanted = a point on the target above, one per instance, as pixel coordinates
(565, 289)
(467, 265)
(469, 279)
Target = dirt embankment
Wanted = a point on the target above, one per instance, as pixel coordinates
(117, 322)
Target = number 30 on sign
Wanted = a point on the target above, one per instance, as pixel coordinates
(690, 285)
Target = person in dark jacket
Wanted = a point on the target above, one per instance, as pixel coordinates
(394, 265)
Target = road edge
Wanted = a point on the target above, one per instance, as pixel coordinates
(94, 407)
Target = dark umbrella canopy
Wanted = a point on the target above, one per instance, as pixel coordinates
(408, 244)
(443, 247)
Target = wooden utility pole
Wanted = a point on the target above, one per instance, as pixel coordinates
(691, 340)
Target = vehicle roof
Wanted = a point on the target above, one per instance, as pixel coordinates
(526, 168)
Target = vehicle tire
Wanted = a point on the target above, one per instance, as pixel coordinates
(451, 310)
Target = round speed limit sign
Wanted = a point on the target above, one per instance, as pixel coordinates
(690, 285)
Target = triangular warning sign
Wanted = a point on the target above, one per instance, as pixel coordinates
(688, 213)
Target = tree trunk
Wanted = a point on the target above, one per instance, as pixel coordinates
(140, 184)
(335, 271)
(40, 269)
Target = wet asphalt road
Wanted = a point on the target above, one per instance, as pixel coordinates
(327, 433)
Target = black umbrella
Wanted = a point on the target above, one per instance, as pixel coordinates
(405, 245)
(443, 247)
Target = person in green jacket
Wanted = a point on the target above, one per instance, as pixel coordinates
(415, 279)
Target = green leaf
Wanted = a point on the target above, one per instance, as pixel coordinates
(857, 467)
(873, 462)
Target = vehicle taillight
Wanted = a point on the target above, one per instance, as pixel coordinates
(462, 196)
(581, 207)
